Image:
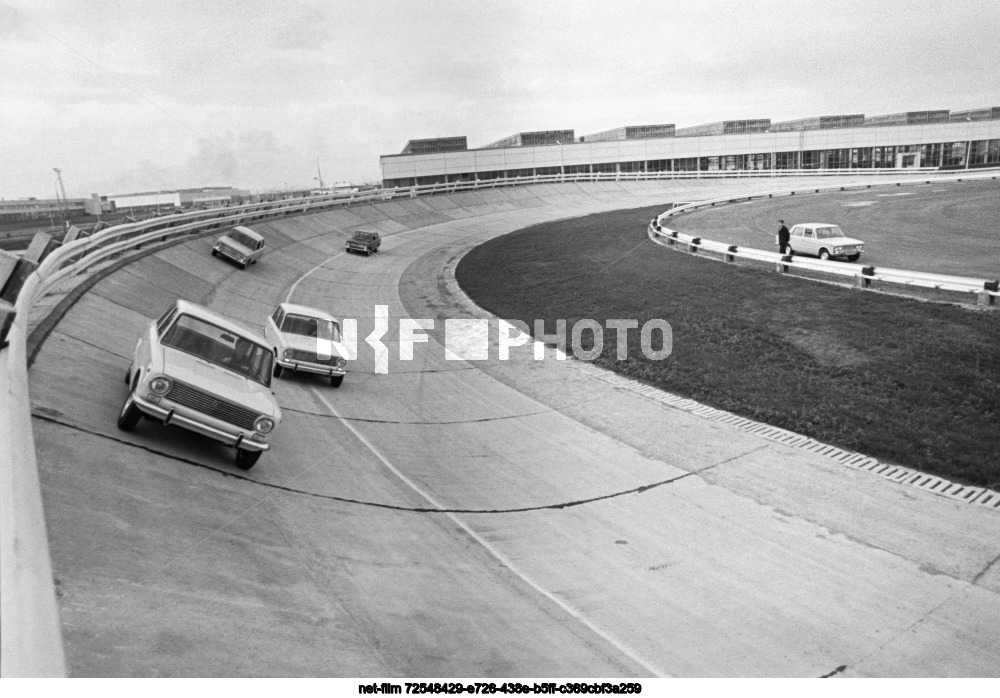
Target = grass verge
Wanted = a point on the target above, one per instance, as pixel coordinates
(911, 383)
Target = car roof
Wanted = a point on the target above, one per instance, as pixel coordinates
(200, 311)
(252, 233)
(816, 225)
(366, 232)
(306, 310)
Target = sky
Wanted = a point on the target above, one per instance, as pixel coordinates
(137, 95)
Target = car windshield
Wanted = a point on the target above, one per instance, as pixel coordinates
(243, 239)
(221, 347)
(832, 231)
(366, 237)
(311, 327)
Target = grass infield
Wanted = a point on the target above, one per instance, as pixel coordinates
(911, 383)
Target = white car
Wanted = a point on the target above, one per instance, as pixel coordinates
(242, 245)
(198, 370)
(306, 339)
(824, 240)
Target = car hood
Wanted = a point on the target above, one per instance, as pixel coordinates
(219, 381)
(297, 341)
(243, 249)
(842, 241)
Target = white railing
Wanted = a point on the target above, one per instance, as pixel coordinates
(985, 289)
(31, 637)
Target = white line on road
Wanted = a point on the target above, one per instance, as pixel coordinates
(605, 635)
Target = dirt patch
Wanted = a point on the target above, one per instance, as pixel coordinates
(824, 347)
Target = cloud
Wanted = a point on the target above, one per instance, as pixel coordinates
(254, 159)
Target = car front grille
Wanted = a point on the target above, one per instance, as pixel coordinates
(211, 405)
(312, 357)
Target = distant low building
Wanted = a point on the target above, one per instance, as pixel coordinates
(145, 202)
(33, 208)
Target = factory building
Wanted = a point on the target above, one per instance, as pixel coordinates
(938, 139)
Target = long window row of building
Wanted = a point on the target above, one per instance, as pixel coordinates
(957, 155)
(948, 140)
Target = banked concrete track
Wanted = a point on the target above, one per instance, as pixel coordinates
(454, 518)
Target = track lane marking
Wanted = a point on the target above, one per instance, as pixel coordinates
(500, 557)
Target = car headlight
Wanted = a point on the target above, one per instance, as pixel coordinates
(288, 354)
(341, 362)
(160, 385)
(264, 425)
(838, 250)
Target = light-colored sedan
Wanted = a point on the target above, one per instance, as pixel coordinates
(824, 240)
(242, 245)
(198, 370)
(306, 339)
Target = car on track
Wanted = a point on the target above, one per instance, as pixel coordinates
(364, 241)
(242, 245)
(198, 370)
(307, 340)
(824, 240)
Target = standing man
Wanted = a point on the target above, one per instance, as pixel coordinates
(783, 238)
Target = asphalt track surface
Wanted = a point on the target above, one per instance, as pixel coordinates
(942, 227)
(472, 518)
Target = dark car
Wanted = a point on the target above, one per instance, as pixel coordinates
(364, 241)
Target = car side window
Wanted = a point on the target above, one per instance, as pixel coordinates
(809, 233)
(277, 317)
(162, 323)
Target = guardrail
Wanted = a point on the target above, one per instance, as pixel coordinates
(31, 638)
(986, 290)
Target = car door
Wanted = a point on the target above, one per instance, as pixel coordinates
(808, 241)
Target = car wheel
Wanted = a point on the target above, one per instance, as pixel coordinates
(278, 368)
(246, 459)
(215, 252)
(128, 375)
(335, 381)
(130, 414)
(824, 254)
(854, 257)
(243, 265)
(368, 253)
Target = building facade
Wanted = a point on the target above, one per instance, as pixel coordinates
(913, 139)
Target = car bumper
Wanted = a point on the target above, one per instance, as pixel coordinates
(322, 370)
(234, 256)
(169, 415)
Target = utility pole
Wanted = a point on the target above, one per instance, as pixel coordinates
(320, 178)
(65, 202)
